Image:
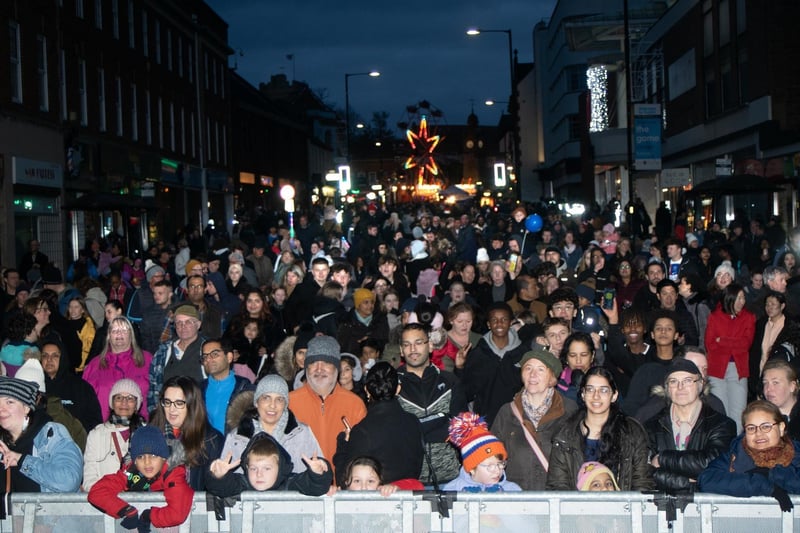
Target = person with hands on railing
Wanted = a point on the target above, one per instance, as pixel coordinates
(762, 461)
(149, 472)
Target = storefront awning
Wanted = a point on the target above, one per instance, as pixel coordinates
(110, 202)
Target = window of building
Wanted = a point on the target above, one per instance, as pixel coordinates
(15, 60)
(115, 18)
(192, 130)
(180, 57)
(157, 30)
(224, 146)
(134, 114)
(145, 40)
(222, 81)
(118, 104)
(62, 84)
(131, 26)
(190, 62)
(205, 69)
(214, 74)
(41, 72)
(101, 99)
(208, 139)
(169, 49)
(148, 119)
(574, 127)
(183, 131)
(160, 119)
(172, 126)
(98, 14)
(79, 8)
(82, 88)
(216, 141)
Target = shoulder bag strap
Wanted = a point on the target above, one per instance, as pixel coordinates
(119, 450)
(531, 441)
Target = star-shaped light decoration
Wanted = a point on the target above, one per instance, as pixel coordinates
(423, 147)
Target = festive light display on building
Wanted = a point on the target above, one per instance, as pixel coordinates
(423, 146)
(597, 81)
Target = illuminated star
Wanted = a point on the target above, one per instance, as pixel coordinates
(423, 147)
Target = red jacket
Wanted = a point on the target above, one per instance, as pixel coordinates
(728, 336)
(179, 495)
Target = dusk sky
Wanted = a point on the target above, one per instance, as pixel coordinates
(420, 48)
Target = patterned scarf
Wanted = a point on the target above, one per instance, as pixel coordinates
(119, 420)
(682, 429)
(535, 413)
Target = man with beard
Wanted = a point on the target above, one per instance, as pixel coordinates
(322, 403)
(433, 396)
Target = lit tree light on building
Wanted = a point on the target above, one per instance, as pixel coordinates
(597, 81)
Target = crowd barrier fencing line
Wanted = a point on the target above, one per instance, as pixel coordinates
(407, 512)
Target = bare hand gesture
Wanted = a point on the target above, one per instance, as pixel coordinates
(220, 467)
(461, 356)
(315, 464)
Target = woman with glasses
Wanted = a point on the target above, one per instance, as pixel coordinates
(599, 431)
(729, 335)
(762, 461)
(107, 444)
(687, 434)
(120, 358)
(181, 415)
(536, 412)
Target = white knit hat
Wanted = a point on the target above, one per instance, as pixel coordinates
(125, 386)
(32, 371)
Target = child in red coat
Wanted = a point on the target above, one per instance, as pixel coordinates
(149, 472)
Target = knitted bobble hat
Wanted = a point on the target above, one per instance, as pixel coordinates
(471, 434)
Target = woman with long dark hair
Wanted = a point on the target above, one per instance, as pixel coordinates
(181, 415)
(729, 335)
(254, 306)
(599, 431)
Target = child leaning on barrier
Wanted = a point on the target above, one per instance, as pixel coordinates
(267, 466)
(596, 477)
(149, 472)
(483, 457)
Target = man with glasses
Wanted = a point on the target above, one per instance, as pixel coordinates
(221, 385)
(433, 396)
(687, 434)
(490, 375)
(180, 357)
(76, 395)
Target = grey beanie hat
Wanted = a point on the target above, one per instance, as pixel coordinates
(323, 348)
(271, 383)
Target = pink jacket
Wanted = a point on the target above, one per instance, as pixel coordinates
(119, 365)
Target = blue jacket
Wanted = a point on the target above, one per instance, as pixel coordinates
(730, 474)
(465, 483)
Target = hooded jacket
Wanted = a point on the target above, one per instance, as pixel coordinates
(171, 481)
(76, 395)
(118, 366)
(308, 482)
(491, 376)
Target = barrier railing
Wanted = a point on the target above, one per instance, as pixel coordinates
(406, 512)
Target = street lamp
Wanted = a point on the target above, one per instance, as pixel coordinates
(372, 74)
(513, 105)
(491, 102)
(287, 193)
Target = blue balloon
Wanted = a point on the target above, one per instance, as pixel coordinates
(533, 223)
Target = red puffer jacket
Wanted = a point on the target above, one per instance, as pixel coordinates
(728, 336)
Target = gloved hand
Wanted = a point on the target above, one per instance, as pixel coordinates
(144, 521)
(783, 499)
(131, 518)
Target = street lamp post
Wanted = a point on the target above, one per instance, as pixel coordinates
(287, 193)
(513, 106)
(372, 74)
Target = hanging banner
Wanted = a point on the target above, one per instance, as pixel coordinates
(647, 137)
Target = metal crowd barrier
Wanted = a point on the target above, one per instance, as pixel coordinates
(406, 512)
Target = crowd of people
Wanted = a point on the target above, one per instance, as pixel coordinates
(407, 350)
